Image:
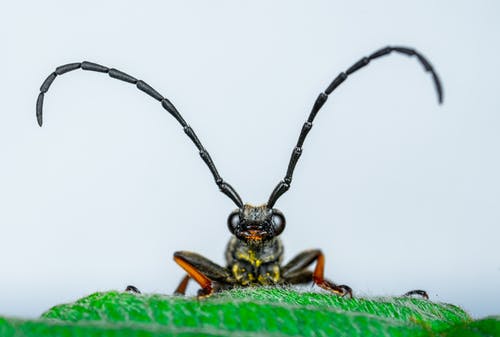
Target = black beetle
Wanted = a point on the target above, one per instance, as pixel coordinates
(254, 253)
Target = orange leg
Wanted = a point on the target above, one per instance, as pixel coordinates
(204, 282)
(319, 279)
(295, 271)
(206, 273)
(181, 288)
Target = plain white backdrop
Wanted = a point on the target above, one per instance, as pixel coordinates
(399, 192)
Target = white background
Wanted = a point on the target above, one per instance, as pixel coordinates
(399, 192)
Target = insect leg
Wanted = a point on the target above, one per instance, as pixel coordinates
(299, 277)
(202, 270)
(304, 260)
(419, 292)
(133, 289)
(181, 288)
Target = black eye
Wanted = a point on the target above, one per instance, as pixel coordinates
(279, 221)
(233, 222)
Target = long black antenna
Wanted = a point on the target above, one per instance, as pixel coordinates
(165, 103)
(284, 184)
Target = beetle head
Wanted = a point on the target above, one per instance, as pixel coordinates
(255, 224)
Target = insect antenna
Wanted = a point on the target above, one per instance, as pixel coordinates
(224, 187)
(284, 184)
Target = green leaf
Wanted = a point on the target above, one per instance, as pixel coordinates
(250, 312)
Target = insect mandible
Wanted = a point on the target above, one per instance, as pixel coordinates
(254, 253)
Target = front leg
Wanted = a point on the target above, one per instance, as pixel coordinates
(205, 272)
(295, 272)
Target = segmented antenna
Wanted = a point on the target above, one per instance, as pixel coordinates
(165, 103)
(284, 184)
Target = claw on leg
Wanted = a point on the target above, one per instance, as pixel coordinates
(347, 290)
(418, 292)
(341, 290)
(132, 289)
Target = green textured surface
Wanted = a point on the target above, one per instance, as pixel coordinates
(250, 312)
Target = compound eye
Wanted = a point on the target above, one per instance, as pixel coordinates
(233, 221)
(279, 222)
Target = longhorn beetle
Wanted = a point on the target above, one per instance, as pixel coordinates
(254, 253)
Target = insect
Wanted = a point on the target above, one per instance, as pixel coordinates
(254, 253)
